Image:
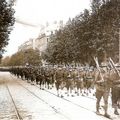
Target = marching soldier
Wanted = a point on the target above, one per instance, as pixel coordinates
(59, 80)
(115, 91)
(79, 82)
(115, 88)
(70, 83)
(102, 90)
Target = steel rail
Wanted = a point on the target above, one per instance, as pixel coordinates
(15, 107)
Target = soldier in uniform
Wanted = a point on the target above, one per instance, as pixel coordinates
(88, 81)
(115, 90)
(79, 82)
(102, 90)
(59, 80)
(70, 83)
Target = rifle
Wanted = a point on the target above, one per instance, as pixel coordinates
(98, 68)
(113, 65)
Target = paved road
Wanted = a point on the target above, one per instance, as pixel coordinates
(31, 103)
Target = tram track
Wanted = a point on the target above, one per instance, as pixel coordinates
(53, 107)
(19, 117)
(67, 99)
(88, 97)
(60, 98)
(73, 103)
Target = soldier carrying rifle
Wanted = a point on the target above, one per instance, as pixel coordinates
(102, 84)
(115, 88)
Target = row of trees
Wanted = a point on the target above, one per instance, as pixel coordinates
(94, 32)
(6, 22)
(91, 33)
(22, 58)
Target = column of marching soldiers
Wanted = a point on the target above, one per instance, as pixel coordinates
(102, 81)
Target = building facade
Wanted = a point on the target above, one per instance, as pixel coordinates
(27, 45)
(42, 40)
(41, 43)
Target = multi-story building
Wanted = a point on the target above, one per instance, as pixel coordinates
(45, 32)
(41, 41)
(27, 45)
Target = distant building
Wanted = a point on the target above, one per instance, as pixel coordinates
(45, 32)
(42, 40)
(41, 43)
(27, 45)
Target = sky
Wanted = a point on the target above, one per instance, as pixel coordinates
(38, 12)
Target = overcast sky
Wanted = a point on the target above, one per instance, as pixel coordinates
(38, 12)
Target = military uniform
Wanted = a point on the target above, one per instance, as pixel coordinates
(115, 91)
(79, 81)
(102, 90)
(70, 81)
(58, 79)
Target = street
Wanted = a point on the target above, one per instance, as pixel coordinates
(23, 101)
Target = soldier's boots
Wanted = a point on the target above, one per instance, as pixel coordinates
(116, 112)
(107, 115)
(97, 112)
(119, 105)
(97, 109)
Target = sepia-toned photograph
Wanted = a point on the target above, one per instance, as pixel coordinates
(59, 59)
